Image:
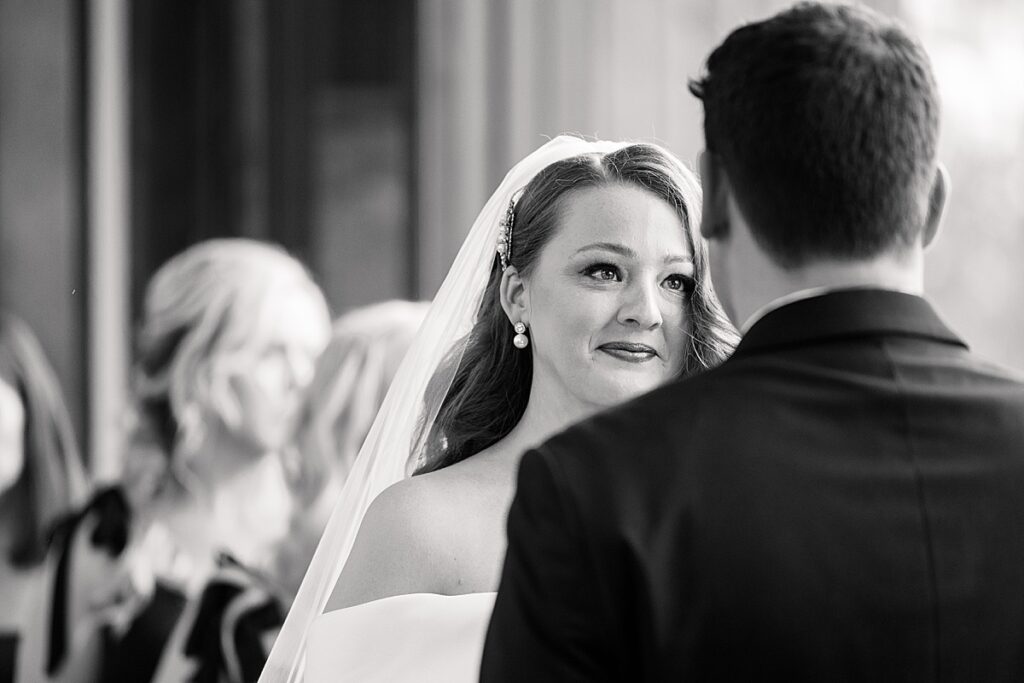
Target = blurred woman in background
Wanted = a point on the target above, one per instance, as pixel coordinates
(41, 480)
(352, 377)
(229, 334)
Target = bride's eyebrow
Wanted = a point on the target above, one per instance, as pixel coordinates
(625, 251)
(681, 260)
(614, 247)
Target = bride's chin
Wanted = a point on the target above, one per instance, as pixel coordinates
(626, 386)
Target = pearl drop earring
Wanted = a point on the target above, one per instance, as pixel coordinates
(520, 341)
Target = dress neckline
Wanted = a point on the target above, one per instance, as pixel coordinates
(425, 597)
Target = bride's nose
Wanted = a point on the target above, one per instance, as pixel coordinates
(639, 305)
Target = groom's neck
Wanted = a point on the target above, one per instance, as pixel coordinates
(761, 282)
(752, 279)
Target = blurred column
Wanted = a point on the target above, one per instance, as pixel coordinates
(251, 97)
(453, 126)
(108, 235)
(41, 176)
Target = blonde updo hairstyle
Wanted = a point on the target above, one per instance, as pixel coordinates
(207, 316)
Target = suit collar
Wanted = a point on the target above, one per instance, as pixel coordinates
(848, 313)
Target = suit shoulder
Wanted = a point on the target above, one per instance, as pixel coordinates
(639, 426)
(997, 372)
(632, 452)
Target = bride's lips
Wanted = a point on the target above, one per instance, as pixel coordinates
(631, 352)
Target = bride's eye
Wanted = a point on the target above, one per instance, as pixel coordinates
(680, 283)
(604, 272)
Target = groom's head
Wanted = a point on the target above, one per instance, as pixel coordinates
(821, 126)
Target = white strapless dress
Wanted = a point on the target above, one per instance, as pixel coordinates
(418, 637)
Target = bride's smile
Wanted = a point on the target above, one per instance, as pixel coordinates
(631, 352)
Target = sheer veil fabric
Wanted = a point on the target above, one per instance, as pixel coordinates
(389, 454)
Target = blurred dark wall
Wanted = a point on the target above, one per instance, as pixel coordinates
(184, 185)
(178, 189)
(288, 121)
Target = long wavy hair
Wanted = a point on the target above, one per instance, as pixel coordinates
(53, 481)
(491, 383)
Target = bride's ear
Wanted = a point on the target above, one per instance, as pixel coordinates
(514, 294)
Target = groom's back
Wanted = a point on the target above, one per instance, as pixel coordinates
(825, 506)
(842, 499)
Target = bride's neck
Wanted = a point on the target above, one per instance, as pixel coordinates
(545, 416)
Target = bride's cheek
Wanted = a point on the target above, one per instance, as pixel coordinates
(589, 301)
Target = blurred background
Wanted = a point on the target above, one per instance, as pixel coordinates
(365, 135)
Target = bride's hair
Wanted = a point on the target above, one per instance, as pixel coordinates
(491, 383)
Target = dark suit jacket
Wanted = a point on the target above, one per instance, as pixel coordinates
(842, 500)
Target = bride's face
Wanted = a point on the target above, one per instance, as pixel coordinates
(607, 297)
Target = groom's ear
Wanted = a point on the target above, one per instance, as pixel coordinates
(936, 204)
(515, 299)
(714, 223)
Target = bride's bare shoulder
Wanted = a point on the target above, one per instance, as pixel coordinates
(454, 491)
(413, 507)
(416, 530)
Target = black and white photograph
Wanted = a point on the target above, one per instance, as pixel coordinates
(458, 341)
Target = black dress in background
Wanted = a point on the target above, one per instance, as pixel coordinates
(237, 616)
(236, 621)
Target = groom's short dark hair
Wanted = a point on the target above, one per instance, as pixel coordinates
(825, 118)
